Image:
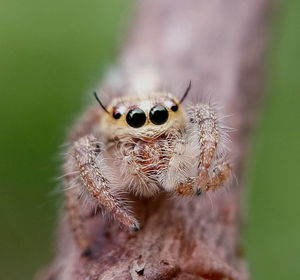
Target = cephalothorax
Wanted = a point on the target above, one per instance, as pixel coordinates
(143, 145)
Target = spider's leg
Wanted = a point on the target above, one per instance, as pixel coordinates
(187, 187)
(203, 121)
(220, 174)
(86, 157)
(92, 166)
(76, 219)
(203, 126)
(175, 176)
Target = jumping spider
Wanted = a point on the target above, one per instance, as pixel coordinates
(143, 145)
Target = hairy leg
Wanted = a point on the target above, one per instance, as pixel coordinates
(76, 219)
(204, 127)
(220, 174)
(72, 202)
(204, 123)
(86, 158)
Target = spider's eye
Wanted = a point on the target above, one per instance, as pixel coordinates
(174, 107)
(116, 115)
(159, 114)
(136, 117)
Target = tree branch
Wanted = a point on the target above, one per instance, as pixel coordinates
(218, 45)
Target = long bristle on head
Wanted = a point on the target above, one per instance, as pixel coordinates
(186, 91)
(100, 103)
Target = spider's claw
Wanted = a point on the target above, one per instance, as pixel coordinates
(199, 191)
(135, 226)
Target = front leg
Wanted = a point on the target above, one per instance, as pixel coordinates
(201, 140)
(220, 175)
(204, 124)
(86, 158)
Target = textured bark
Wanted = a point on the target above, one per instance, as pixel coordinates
(219, 45)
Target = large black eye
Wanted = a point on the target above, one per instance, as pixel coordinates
(159, 114)
(136, 117)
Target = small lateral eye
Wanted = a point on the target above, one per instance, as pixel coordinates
(116, 115)
(174, 107)
(136, 117)
(159, 114)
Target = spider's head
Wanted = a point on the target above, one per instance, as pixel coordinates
(142, 117)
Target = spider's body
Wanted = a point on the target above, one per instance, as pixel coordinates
(144, 145)
(143, 153)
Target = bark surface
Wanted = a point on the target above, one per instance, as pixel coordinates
(219, 45)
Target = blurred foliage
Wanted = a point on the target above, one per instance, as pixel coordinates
(273, 225)
(51, 54)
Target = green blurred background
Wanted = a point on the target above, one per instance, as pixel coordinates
(51, 54)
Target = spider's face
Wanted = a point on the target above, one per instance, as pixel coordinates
(143, 117)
